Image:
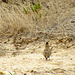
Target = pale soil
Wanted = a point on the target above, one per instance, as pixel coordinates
(30, 61)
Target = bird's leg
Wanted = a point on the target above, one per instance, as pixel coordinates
(49, 58)
(46, 58)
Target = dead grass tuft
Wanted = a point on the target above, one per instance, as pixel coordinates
(54, 15)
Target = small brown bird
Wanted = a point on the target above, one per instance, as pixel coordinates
(47, 51)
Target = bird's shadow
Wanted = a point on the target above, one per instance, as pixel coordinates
(45, 59)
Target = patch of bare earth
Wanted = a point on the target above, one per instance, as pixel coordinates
(30, 61)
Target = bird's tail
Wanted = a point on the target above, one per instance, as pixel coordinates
(51, 48)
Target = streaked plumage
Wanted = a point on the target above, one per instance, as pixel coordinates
(47, 51)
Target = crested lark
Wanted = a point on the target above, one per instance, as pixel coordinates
(47, 51)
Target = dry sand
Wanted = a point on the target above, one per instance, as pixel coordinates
(30, 61)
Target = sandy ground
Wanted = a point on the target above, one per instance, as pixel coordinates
(30, 61)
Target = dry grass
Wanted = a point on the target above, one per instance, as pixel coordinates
(14, 21)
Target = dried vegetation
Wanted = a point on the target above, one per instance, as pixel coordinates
(55, 20)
